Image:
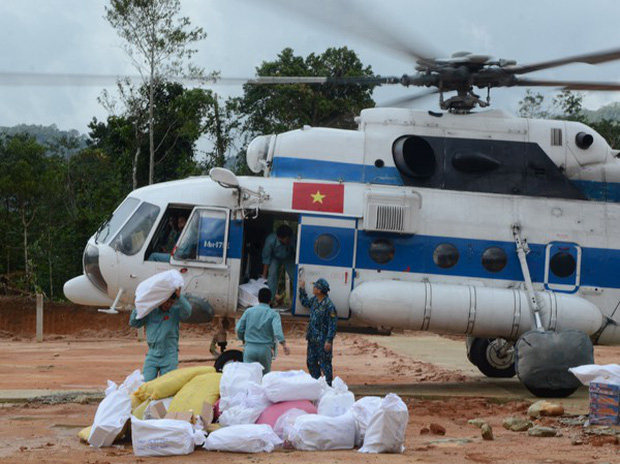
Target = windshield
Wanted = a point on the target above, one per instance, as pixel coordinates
(132, 236)
(114, 222)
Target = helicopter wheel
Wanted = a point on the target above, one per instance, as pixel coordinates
(227, 357)
(492, 357)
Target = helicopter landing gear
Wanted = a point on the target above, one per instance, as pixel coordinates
(494, 357)
(542, 360)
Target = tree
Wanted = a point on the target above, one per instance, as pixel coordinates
(565, 105)
(23, 187)
(179, 119)
(157, 42)
(278, 108)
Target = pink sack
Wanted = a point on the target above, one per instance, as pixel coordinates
(272, 413)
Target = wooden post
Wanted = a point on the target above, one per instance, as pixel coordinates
(39, 317)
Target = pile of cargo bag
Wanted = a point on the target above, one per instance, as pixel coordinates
(240, 410)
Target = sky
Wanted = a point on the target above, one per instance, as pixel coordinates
(72, 37)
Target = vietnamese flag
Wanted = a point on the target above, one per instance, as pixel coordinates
(327, 198)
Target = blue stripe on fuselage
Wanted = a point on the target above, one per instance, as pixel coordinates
(599, 267)
(298, 168)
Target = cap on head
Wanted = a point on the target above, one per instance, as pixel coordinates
(322, 285)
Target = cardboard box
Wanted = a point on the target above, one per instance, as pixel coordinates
(601, 419)
(158, 410)
(207, 413)
(609, 389)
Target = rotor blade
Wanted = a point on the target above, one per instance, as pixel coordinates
(406, 100)
(346, 16)
(353, 80)
(589, 58)
(55, 80)
(569, 85)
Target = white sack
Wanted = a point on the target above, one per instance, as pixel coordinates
(164, 437)
(285, 424)
(363, 410)
(244, 408)
(609, 373)
(386, 429)
(133, 381)
(291, 386)
(153, 291)
(254, 438)
(248, 292)
(322, 433)
(110, 418)
(236, 378)
(337, 400)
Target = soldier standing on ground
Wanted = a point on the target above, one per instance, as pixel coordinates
(321, 329)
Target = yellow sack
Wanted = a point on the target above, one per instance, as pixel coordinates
(169, 384)
(135, 401)
(139, 411)
(205, 387)
(84, 434)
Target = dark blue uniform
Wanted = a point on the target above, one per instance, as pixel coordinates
(321, 329)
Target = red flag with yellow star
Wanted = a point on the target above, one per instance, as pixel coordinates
(327, 198)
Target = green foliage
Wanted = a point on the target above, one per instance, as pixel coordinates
(266, 109)
(180, 118)
(278, 108)
(157, 40)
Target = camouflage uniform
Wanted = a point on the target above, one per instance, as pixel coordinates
(321, 329)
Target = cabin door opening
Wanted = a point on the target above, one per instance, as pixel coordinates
(256, 231)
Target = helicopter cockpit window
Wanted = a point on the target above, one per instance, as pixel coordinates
(381, 251)
(446, 255)
(494, 259)
(326, 246)
(204, 238)
(132, 236)
(111, 226)
(563, 264)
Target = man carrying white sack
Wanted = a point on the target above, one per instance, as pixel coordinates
(160, 308)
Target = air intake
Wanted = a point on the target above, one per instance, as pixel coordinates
(392, 212)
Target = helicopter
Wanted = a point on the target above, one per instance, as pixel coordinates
(499, 228)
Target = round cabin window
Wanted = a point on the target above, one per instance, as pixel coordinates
(382, 251)
(326, 246)
(494, 259)
(446, 255)
(562, 264)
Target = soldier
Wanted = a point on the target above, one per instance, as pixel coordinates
(321, 329)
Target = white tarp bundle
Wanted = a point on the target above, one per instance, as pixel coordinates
(248, 292)
(236, 379)
(114, 411)
(337, 400)
(363, 410)
(608, 373)
(164, 437)
(244, 407)
(312, 432)
(291, 386)
(153, 291)
(250, 438)
(285, 424)
(386, 429)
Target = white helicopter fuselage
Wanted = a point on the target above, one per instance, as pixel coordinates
(405, 239)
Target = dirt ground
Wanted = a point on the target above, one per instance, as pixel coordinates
(82, 349)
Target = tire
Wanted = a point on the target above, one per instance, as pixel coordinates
(551, 393)
(227, 357)
(483, 354)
